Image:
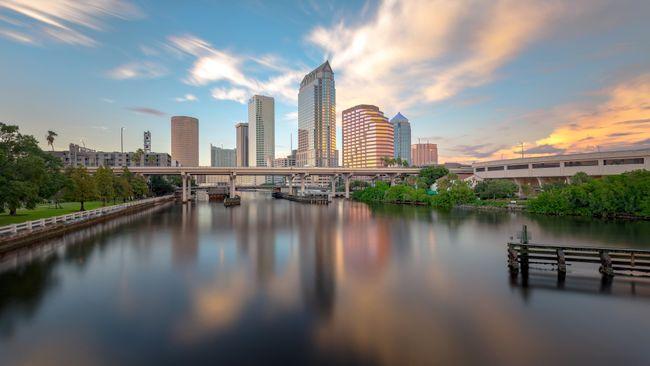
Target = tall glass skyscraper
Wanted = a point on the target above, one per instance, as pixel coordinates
(317, 119)
(261, 131)
(402, 137)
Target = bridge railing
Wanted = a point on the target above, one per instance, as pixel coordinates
(75, 217)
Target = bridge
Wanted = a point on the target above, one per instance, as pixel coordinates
(291, 173)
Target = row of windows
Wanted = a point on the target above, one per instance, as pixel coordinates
(580, 163)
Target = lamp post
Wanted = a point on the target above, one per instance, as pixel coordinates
(122, 140)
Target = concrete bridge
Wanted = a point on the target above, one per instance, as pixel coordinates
(291, 173)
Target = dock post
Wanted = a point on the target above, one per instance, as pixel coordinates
(524, 248)
(513, 262)
(561, 261)
(606, 264)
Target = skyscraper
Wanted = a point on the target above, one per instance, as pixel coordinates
(402, 133)
(220, 157)
(317, 119)
(261, 131)
(242, 144)
(367, 137)
(424, 154)
(185, 140)
(147, 141)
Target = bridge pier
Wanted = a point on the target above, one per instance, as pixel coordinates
(346, 181)
(186, 186)
(334, 177)
(232, 179)
(302, 184)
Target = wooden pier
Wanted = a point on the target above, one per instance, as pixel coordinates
(611, 261)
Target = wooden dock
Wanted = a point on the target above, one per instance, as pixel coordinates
(312, 199)
(611, 261)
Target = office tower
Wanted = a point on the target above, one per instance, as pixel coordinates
(402, 140)
(317, 119)
(185, 140)
(242, 144)
(424, 154)
(367, 137)
(147, 141)
(220, 157)
(261, 131)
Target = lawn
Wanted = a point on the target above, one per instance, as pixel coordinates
(45, 211)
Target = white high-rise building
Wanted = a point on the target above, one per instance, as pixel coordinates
(261, 131)
(317, 119)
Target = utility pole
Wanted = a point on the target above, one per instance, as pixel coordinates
(122, 140)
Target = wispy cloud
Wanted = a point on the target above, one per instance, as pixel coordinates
(212, 65)
(149, 111)
(108, 100)
(138, 70)
(421, 50)
(66, 21)
(17, 36)
(186, 98)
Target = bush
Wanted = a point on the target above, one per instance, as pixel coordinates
(495, 188)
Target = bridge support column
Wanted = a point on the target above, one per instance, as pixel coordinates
(302, 184)
(334, 177)
(393, 179)
(346, 181)
(186, 186)
(290, 183)
(232, 179)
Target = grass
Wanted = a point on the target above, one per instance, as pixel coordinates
(45, 211)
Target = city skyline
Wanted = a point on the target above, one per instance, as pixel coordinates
(564, 80)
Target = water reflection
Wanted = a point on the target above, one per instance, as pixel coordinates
(280, 282)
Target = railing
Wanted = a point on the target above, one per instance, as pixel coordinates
(77, 216)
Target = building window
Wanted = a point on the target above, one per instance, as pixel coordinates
(581, 163)
(494, 168)
(624, 161)
(517, 166)
(479, 169)
(546, 165)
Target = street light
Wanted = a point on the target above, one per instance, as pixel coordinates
(122, 140)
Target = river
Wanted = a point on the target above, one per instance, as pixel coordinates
(277, 282)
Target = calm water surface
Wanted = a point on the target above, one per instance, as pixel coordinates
(276, 282)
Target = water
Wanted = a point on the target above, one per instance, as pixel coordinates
(276, 282)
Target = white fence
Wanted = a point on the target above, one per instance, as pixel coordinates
(77, 216)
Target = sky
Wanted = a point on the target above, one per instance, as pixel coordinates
(479, 78)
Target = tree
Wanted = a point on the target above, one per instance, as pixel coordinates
(446, 182)
(431, 174)
(151, 160)
(104, 178)
(137, 157)
(82, 186)
(580, 178)
(160, 186)
(50, 138)
(405, 163)
(24, 170)
(139, 186)
(495, 188)
(122, 188)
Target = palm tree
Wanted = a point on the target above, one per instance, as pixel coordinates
(151, 160)
(137, 156)
(398, 161)
(50, 138)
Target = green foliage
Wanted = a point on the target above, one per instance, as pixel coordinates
(458, 193)
(446, 182)
(122, 188)
(430, 175)
(160, 185)
(624, 194)
(580, 177)
(495, 188)
(139, 186)
(82, 186)
(27, 174)
(372, 194)
(104, 178)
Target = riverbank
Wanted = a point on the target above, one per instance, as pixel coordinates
(18, 235)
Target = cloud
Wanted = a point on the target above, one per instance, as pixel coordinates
(291, 116)
(66, 21)
(234, 94)
(18, 37)
(108, 100)
(186, 98)
(137, 70)
(543, 150)
(212, 65)
(420, 50)
(619, 122)
(478, 151)
(149, 111)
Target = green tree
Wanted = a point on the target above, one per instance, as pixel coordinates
(139, 185)
(81, 187)
(458, 193)
(25, 170)
(137, 157)
(580, 178)
(50, 138)
(151, 160)
(431, 174)
(495, 188)
(446, 182)
(160, 185)
(104, 178)
(122, 188)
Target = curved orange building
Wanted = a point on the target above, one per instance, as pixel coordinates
(367, 137)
